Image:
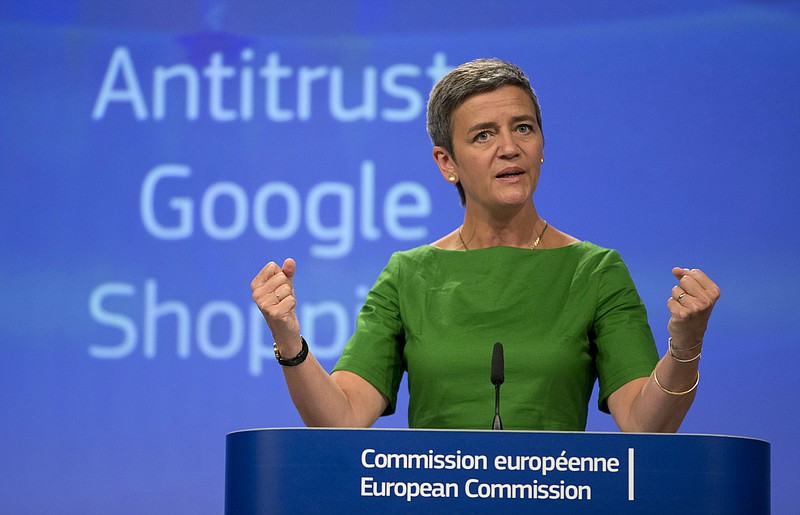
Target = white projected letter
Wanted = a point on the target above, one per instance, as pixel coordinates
(368, 229)
(217, 72)
(261, 219)
(305, 78)
(207, 205)
(393, 210)
(246, 86)
(236, 323)
(123, 323)
(439, 68)
(154, 311)
(366, 111)
(162, 75)
(182, 205)
(132, 93)
(409, 94)
(342, 233)
(273, 72)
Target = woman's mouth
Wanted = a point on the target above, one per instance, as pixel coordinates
(505, 174)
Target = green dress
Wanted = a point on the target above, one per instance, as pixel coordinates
(565, 316)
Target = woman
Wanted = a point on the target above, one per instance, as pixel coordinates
(566, 311)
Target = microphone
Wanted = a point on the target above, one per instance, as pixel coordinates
(498, 376)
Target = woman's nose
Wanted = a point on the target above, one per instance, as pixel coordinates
(506, 146)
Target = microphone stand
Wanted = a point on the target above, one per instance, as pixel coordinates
(498, 376)
(497, 424)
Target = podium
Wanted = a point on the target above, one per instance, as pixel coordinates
(385, 471)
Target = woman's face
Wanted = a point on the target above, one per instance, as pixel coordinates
(497, 148)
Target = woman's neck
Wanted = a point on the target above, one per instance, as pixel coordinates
(520, 228)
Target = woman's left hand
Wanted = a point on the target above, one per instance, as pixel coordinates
(691, 303)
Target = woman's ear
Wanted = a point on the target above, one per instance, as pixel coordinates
(445, 163)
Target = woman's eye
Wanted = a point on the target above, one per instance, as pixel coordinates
(525, 129)
(482, 136)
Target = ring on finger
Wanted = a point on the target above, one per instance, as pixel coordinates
(682, 295)
(277, 297)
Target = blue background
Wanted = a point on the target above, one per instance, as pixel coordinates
(672, 135)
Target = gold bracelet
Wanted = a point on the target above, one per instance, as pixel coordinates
(690, 390)
(679, 360)
(672, 347)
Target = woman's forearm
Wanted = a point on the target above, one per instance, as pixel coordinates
(664, 398)
(322, 400)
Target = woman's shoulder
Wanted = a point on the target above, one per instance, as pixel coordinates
(420, 253)
(450, 241)
(556, 238)
(584, 248)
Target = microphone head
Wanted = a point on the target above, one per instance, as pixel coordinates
(498, 366)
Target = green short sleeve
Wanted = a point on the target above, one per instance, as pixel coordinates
(375, 351)
(625, 346)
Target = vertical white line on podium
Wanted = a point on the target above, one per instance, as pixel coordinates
(630, 474)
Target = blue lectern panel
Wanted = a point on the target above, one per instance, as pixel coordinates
(400, 471)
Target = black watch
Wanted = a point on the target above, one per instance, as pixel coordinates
(301, 356)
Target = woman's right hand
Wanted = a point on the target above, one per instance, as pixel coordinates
(273, 293)
(342, 399)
